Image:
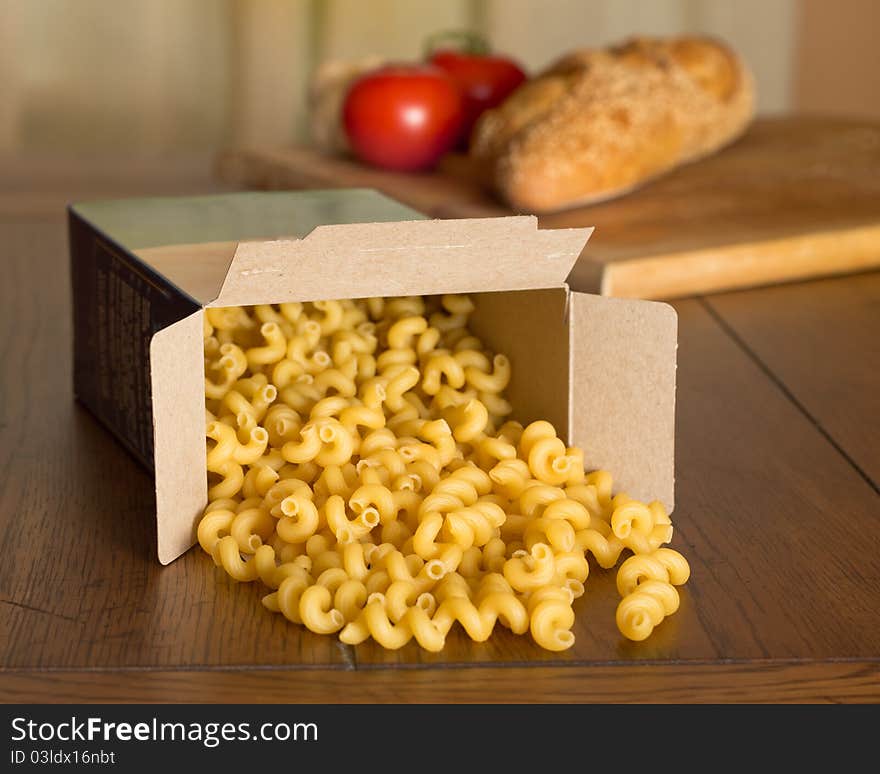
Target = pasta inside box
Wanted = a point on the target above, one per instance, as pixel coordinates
(144, 271)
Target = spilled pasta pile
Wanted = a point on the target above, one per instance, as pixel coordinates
(361, 465)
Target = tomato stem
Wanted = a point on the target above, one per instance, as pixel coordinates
(465, 41)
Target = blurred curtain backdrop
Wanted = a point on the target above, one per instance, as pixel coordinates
(153, 75)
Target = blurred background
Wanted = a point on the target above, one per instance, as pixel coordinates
(147, 76)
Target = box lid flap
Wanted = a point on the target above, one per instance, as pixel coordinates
(357, 260)
(177, 374)
(623, 391)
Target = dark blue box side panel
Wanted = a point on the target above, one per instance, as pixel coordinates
(118, 304)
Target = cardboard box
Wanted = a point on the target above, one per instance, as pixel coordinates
(601, 369)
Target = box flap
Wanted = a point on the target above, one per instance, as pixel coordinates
(197, 269)
(357, 260)
(623, 391)
(177, 373)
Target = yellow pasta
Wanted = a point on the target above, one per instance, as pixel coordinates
(250, 528)
(664, 565)
(530, 570)
(551, 617)
(298, 518)
(495, 601)
(374, 622)
(231, 479)
(639, 612)
(468, 420)
(361, 466)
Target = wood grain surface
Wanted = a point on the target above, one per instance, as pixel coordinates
(794, 198)
(779, 526)
(821, 341)
(839, 681)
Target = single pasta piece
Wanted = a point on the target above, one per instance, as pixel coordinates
(529, 571)
(374, 622)
(551, 617)
(639, 612)
(664, 564)
(647, 584)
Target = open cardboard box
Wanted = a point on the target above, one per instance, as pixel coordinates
(602, 370)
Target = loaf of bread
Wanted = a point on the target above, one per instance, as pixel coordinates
(598, 123)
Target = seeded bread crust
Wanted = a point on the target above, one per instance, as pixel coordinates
(599, 123)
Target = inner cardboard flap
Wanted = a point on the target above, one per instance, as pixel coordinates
(623, 361)
(197, 269)
(531, 329)
(177, 373)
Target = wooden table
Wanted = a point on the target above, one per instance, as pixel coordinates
(778, 511)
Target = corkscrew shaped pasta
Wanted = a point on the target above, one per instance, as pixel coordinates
(647, 583)
(494, 602)
(551, 617)
(416, 622)
(362, 467)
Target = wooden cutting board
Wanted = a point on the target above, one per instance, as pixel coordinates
(794, 198)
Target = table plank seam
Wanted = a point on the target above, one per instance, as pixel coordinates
(349, 655)
(789, 395)
(757, 663)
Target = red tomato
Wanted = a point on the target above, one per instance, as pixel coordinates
(485, 81)
(403, 117)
